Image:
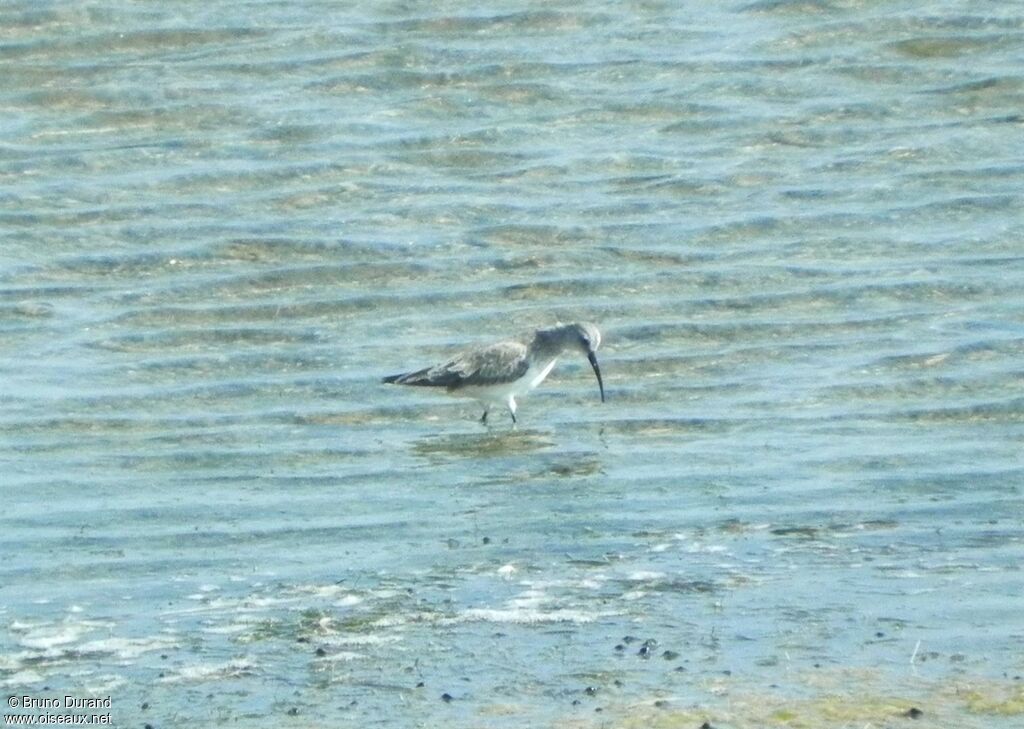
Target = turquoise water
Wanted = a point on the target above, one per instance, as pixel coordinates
(798, 225)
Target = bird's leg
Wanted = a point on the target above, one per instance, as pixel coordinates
(483, 418)
(512, 408)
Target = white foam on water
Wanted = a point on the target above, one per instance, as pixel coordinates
(229, 629)
(52, 636)
(645, 576)
(125, 648)
(354, 639)
(324, 591)
(25, 677)
(529, 616)
(105, 685)
(341, 657)
(530, 598)
(201, 672)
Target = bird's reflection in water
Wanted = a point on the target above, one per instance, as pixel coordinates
(490, 444)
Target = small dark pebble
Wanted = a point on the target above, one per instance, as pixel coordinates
(661, 704)
(576, 702)
(447, 697)
(620, 647)
(147, 726)
(879, 634)
(727, 672)
(598, 710)
(913, 713)
(670, 655)
(590, 690)
(321, 652)
(486, 540)
(680, 668)
(617, 682)
(293, 711)
(420, 685)
(706, 725)
(302, 639)
(630, 639)
(163, 656)
(145, 705)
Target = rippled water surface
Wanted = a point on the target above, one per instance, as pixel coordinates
(798, 225)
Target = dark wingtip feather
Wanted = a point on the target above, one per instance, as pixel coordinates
(424, 378)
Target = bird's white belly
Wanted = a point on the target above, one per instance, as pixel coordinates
(499, 393)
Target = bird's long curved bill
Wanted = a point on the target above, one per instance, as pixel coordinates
(597, 371)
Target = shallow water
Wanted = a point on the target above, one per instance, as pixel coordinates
(796, 223)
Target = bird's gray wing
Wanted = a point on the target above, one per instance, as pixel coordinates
(493, 365)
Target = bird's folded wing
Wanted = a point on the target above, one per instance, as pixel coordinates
(497, 364)
(494, 365)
